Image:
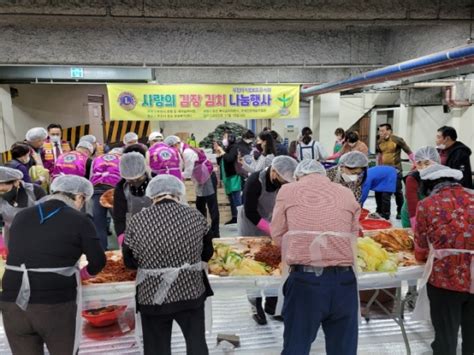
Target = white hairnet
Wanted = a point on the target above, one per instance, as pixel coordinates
(172, 140)
(72, 184)
(88, 138)
(354, 160)
(285, 167)
(309, 166)
(130, 137)
(36, 133)
(427, 153)
(165, 185)
(116, 151)
(437, 171)
(8, 174)
(155, 136)
(86, 145)
(132, 166)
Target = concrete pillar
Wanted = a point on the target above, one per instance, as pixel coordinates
(373, 131)
(328, 119)
(7, 122)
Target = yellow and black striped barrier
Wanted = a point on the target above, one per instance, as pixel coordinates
(73, 134)
(115, 130)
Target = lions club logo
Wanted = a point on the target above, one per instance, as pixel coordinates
(165, 155)
(69, 158)
(127, 101)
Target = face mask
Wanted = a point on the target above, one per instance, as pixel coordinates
(225, 142)
(349, 178)
(9, 195)
(441, 146)
(248, 141)
(352, 144)
(55, 139)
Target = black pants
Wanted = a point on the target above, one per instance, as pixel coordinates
(157, 332)
(50, 324)
(383, 201)
(449, 310)
(399, 193)
(213, 206)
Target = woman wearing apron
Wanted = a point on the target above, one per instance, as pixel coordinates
(41, 287)
(15, 195)
(129, 195)
(444, 238)
(167, 243)
(316, 222)
(255, 215)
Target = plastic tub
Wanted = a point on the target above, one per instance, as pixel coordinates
(103, 319)
(363, 214)
(371, 224)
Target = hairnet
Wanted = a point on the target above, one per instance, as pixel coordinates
(165, 185)
(285, 167)
(155, 136)
(427, 153)
(132, 166)
(309, 166)
(9, 174)
(86, 145)
(88, 138)
(130, 137)
(437, 171)
(116, 151)
(172, 140)
(35, 134)
(354, 160)
(72, 184)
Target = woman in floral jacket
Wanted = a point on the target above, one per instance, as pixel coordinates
(445, 220)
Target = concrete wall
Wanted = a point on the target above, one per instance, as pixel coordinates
(40, 105)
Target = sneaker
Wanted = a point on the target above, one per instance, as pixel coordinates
(278, 318)
(232, 221)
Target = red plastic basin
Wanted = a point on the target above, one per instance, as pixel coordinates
(372, 224)
(363, 214)
(103, 319)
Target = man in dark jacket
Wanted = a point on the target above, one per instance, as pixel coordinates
(47, 241)
(227, 159)
(454, 154)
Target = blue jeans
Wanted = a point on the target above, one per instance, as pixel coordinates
(329, 300)
(235, 199)
(100, 218)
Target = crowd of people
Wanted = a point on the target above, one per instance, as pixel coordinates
(48, 190)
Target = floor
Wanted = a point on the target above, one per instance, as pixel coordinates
(232, 315)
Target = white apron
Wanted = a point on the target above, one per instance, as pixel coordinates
(422, 306)
(168, 276)
(317, 249)
(25, 292)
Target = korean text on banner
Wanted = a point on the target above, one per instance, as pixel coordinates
(202, 102)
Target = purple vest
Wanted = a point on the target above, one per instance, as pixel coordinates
(164, 160)
(72, 163)
(105, 170)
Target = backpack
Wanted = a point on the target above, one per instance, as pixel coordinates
(202, 167)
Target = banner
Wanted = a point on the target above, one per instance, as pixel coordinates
(136, 102)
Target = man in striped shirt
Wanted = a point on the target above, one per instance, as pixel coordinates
(322, 289)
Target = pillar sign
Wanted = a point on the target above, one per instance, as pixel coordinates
(77, 73)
